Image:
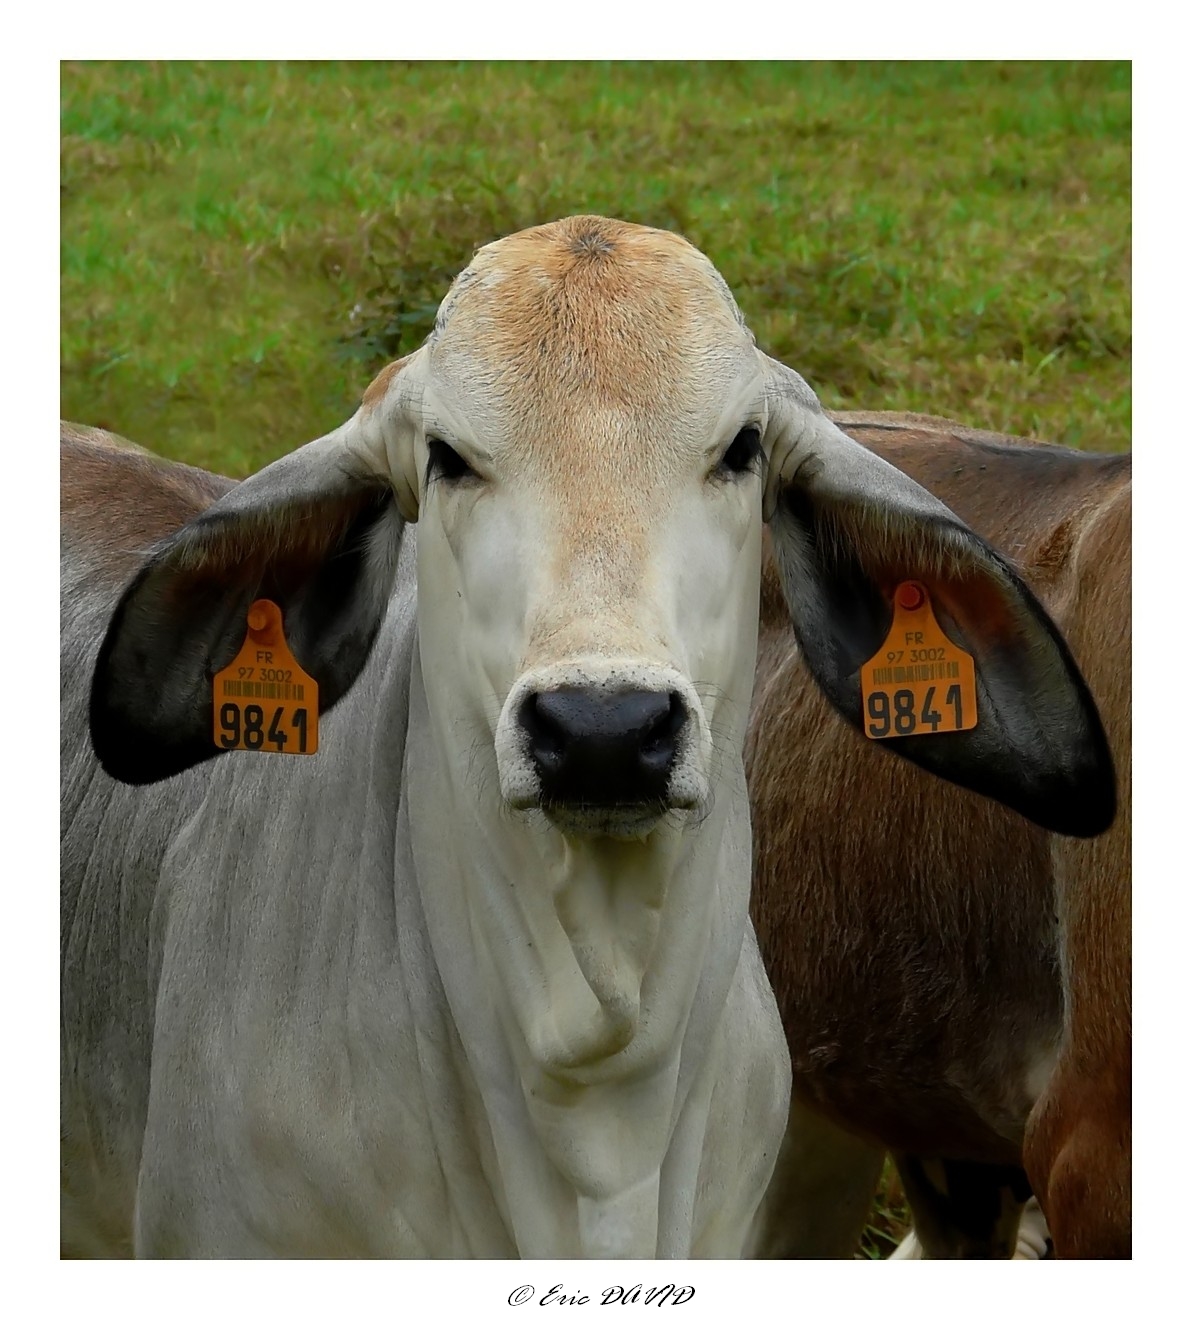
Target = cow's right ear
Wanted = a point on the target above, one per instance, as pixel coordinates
(848, 528)
(318, 532)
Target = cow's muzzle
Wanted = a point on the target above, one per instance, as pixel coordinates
(594, 748)
(602, 757)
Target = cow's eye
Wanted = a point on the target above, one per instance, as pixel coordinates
(443, 463)
(742, 454)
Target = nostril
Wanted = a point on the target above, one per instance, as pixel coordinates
(660, 737)
(548, 736)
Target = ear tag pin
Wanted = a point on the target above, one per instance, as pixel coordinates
(264, 701)
(919, 681)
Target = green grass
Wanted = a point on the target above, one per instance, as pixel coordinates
(889, 1217)
(243, 245)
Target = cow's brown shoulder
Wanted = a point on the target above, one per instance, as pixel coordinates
(117, 498)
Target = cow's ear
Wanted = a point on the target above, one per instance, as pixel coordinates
(318, 532)
(847, 529)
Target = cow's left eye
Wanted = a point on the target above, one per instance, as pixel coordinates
(742, 454)
(443, 463)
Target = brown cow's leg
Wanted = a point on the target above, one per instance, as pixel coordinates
(821, 1193)
(1078, 1137)
(964, 1210)
(1082, 1152)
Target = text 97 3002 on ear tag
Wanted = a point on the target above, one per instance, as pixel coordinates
(264, 701)
(920, 681)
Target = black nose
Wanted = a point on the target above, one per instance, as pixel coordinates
(602, 748)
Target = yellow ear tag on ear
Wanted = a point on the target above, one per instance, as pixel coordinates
(264, 701)
(920, 681)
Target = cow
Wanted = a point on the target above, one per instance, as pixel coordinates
(910, 928)
(478, 978)
(1077, 1145)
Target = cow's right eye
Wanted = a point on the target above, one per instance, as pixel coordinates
(444, 464)
(741, 456)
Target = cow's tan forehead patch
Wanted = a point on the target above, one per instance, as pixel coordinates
(616, 314)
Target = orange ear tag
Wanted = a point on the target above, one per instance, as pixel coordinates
(920, 681)
(264, 701)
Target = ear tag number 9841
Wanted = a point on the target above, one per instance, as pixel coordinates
(264, 701)
(920, 681)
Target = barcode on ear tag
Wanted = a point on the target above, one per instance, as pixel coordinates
(264, 701)
(920, 681)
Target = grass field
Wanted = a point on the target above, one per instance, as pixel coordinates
(243, 246)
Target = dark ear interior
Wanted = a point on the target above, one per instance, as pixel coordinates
(305, 532)
(1039, 745)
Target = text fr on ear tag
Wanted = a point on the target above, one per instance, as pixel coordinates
(264, 701)
(920, 681)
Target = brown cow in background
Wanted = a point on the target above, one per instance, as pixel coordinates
(1077, 1145)
(932, 1004)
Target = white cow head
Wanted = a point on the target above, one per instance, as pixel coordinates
(589, 439)
(583, 430)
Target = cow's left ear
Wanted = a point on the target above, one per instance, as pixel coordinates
(847, 529)
(318, 532)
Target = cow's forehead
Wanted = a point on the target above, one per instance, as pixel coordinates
(590, 313)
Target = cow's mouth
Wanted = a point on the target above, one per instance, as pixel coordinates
(629, 820)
